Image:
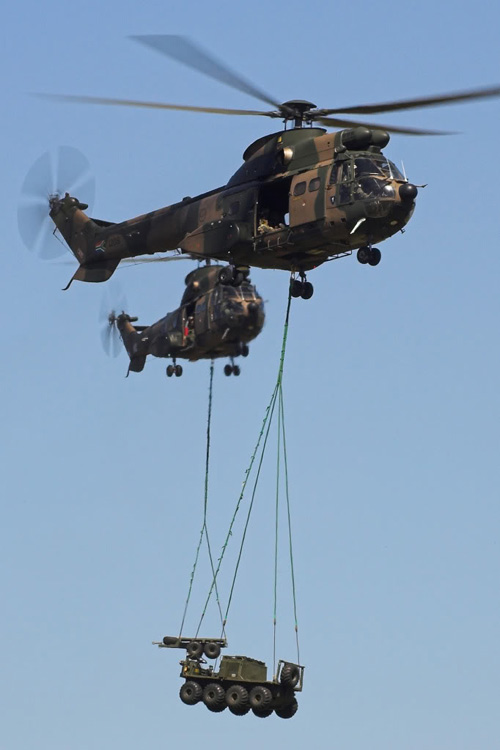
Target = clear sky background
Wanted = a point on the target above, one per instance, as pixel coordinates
(391, 395)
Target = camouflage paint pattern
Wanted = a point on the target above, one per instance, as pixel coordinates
(304, 179)
(214, 320)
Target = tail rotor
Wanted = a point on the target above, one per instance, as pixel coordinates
(108, 316)
(65, 170)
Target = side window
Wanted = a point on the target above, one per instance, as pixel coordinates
(345, 174)
(314, 184)
(234, 208)
(300, 188)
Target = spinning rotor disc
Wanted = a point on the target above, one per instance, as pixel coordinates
(300, 112)
(64, 170)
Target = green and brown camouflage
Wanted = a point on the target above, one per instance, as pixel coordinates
(214, 320)
(302, 197)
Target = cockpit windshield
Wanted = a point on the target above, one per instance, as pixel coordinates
(364, 166)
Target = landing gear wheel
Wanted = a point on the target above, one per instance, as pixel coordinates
(237, 700)
(295, 288)
(214, 697)
(190, 693)
(287, 711)
(212, 650)
(170, 371)
(244, 350)
(236, 370)
(363, 255)
(238, 278)
(307, 290)
(260, 697)
(262, 713)
(290, 675)
(194, 649)
(227, 275)
(375, 256)
(228, 369)
(178, 371)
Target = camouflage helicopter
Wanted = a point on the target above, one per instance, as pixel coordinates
(301, 197)
(213, 321)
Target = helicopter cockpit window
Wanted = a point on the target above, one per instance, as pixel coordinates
(375, 167)
(300, 188)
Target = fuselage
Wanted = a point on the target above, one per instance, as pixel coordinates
(301, 197)
(214, 320)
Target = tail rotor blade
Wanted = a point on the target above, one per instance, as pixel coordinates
(113, 303)
(53, 173)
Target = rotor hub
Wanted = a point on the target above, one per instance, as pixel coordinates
(298, 110)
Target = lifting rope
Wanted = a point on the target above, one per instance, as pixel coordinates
(204, 528)
(277, 397)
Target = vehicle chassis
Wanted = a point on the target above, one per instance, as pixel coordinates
(240, 683)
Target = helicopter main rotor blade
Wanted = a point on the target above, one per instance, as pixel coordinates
(151, 105)
(180, 48)
(341, 123)
(426, 101)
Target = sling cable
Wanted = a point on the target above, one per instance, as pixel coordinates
(240, 683)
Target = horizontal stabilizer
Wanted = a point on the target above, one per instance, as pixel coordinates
(94, 272)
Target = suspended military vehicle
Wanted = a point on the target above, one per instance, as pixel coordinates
(239, 684)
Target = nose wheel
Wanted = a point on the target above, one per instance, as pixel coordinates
(370, 255)
(301, 287)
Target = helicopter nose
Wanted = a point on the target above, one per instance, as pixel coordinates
(408, 192)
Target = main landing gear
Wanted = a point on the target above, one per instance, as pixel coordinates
(231, 369)
(301, 287)
(174, 370)
(233, 276)
(370, 255)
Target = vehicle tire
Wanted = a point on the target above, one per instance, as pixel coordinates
(168, 640)
(307, 290)
(290, 675)
(363, 255)
(214, 697)
(226, 275)
(295, 288)
(170, 371)
(260, 697)
(227, 369)
(262, 713)
(287, 711)
(178, 371)
(375, 256)
(244, 350)
(212, 650)
(236, 370)
(190, 693)
(237, 700)
(194, 649)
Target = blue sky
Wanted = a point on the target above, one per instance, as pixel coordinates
(391, 396)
